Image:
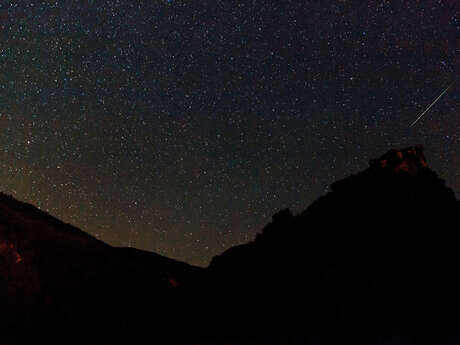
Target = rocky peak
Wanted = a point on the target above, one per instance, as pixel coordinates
(409, 159)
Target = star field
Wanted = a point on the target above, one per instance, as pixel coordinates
(181, 127)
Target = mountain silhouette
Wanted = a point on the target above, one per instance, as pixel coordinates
(55, 277)
(373, 261)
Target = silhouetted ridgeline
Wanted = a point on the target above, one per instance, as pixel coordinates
(374, 261)
(377, 255)
(55, 278)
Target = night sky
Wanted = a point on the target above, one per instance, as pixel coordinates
(181, 127)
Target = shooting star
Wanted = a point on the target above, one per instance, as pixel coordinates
(426, 110)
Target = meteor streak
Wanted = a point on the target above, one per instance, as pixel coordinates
(426, 110)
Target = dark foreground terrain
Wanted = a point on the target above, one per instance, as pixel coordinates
(374, 261)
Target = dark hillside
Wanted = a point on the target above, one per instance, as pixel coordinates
(53, 276)
(377, 255)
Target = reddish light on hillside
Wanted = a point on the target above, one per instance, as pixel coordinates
(8, 249)
(18, 257)
(174, 283)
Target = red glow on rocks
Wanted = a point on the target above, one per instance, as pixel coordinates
(410, 160)
(18, 258)
(9, 250)
(174, 283)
